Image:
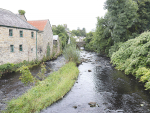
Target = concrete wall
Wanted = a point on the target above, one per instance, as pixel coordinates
(29, 45)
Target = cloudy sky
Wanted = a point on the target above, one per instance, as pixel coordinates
(74, 13)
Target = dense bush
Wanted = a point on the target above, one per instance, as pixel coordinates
(133, 57)
(71, 53)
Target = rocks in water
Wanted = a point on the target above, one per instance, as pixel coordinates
(92, 104)
(75, 107)
(89, 70)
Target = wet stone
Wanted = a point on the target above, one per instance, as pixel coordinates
(92, 104)
(89, 71)
(75, 107)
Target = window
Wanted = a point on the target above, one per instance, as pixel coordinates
(20, 47)
(31, 49)
(10, 32)
(32, 34)
(11, 48)
(21, 33)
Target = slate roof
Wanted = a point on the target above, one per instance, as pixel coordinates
(39, 24)
(55, 37)
(9, 19)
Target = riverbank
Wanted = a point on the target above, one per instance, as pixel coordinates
(10, 67)
(53, 88)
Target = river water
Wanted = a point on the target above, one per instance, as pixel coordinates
(12, 87)
(98, 82)
(110, 89)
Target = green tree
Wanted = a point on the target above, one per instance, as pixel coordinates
(79, 32)
(143, 23)
(21, 12)
(103, 38)
(123, 15)
(62, 33)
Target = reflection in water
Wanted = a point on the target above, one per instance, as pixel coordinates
(112, 90)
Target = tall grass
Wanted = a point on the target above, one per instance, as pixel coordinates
(71, 53)
(53, 88)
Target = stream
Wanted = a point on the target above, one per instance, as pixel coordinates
(98, 82)
(11, 87)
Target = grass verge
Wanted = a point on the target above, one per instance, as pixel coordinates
(53, 88)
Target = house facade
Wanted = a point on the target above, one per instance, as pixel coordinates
(17, 39)
(44, 37)
(23, 40)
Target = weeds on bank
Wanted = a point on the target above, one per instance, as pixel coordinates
(53, 88)
(71, 53)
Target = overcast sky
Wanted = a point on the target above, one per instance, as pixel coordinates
(74, 13)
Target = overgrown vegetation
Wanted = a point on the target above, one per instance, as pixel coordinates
(119, 34)
(71, 53)
(53, 88)
(10, 67)
(133, 57)
(79, 32)
(125, 19)
(62, 33)
(48, 51)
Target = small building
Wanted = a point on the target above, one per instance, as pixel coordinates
(44, 36)
(17, 39)
(56, 44)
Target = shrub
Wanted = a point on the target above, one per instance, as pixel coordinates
(72, 54)
(133, 57)
(26, 76)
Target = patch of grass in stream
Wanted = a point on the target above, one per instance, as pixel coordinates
(48, 91)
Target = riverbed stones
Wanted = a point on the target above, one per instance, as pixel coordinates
(92, 104)
(75, 107)
(89, 71)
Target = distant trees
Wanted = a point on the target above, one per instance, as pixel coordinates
(125, 19)
(79, 32)
(62, 33)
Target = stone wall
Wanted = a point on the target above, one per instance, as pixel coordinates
(44, 37)
(48, 37)
(28, 43)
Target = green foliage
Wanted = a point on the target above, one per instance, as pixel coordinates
(63, 39)
(123, 15)
(103, 39)
(90, 41)
(62, 33)
(48, 52)
(72, 41)
(26, 76)
(133, 57)
(53, 88)
(71, 53)
(125, 19)
(21, 12)
(41, 74)
(6, 68)
(143, 22)
(79, 32)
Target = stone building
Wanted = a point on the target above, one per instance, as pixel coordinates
(56, 44)
(44, 37)
(17, 39)
(23, 40)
